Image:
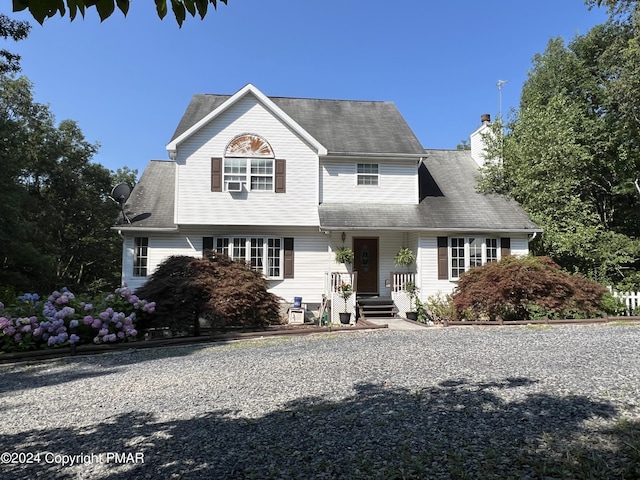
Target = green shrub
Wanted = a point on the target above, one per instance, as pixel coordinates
(439, 306)
(613, 306)
(523, 288)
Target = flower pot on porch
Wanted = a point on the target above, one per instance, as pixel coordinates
(345, 318)
(412, 316)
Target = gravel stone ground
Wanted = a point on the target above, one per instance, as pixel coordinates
(460, 402)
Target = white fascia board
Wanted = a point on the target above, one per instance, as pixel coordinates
(249, 88)
(469, 231)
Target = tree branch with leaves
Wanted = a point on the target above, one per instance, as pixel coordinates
(43, 9)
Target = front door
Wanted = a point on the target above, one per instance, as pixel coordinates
(365, 262)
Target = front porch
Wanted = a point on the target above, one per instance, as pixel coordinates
(365, 305)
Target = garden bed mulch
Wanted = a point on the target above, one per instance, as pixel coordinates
(222, 335)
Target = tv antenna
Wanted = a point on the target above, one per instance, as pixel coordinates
(120, 194)
(500, 84)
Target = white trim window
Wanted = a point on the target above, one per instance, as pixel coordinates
(367, 174)
(140, 256)
(257, 174)
(262, 254)
(468, 252)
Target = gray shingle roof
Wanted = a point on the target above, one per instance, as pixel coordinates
(341, 126)
(461, 206)
(151, 202)
(454, 205)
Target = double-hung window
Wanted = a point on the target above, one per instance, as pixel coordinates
(367, 174)
(255, 174)
(469, 252)
(262, 254)
(140, 256)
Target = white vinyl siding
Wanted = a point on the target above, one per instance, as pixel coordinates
(427, 260)
(311, 256)
(397, 180)
(196, 204)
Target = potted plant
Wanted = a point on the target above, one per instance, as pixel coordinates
(412, 291)
(405, 257)
(345, 290)
(344, 255)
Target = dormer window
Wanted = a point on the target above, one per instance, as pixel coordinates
(249, 164)
(367, 174)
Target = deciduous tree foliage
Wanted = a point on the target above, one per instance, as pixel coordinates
(43, 9)
(56, 215)
(515, 288)
(571, 153)
(14, 30)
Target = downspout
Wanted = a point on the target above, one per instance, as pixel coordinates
(535, 234)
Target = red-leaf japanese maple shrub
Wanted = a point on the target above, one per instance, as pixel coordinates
(235, 294)
(524, 288)
(179, 302)
(226, 292)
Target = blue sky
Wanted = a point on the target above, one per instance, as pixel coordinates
(128, 80)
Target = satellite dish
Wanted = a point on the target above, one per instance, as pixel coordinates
(120, 194)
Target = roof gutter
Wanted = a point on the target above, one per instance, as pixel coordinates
(122, 228)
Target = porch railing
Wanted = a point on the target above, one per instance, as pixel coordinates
(333, 281)
(400, 279)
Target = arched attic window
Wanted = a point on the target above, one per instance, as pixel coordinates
(249, 164)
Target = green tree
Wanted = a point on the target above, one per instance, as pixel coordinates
(14, 30)
(56, 214)
(570, 159)
(43, 9)
(463, 145)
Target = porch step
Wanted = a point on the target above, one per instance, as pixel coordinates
(377, 307)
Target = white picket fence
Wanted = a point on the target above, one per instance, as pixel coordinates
(630, 299)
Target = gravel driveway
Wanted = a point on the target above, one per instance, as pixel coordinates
(459, 402)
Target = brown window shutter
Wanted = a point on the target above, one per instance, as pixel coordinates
(216, 174)
(281, 176)
(443, 258)
(505, 246)
(288, 257)
(207, 246)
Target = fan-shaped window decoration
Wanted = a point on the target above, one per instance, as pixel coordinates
(249, 145)
(249, 164)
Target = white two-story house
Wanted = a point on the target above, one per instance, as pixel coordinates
(281, 183)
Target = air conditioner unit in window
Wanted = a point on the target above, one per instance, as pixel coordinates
(234, 186)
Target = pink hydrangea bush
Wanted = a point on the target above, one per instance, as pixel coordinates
(63, 319)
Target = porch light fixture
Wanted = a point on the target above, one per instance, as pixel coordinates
(344, 236)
